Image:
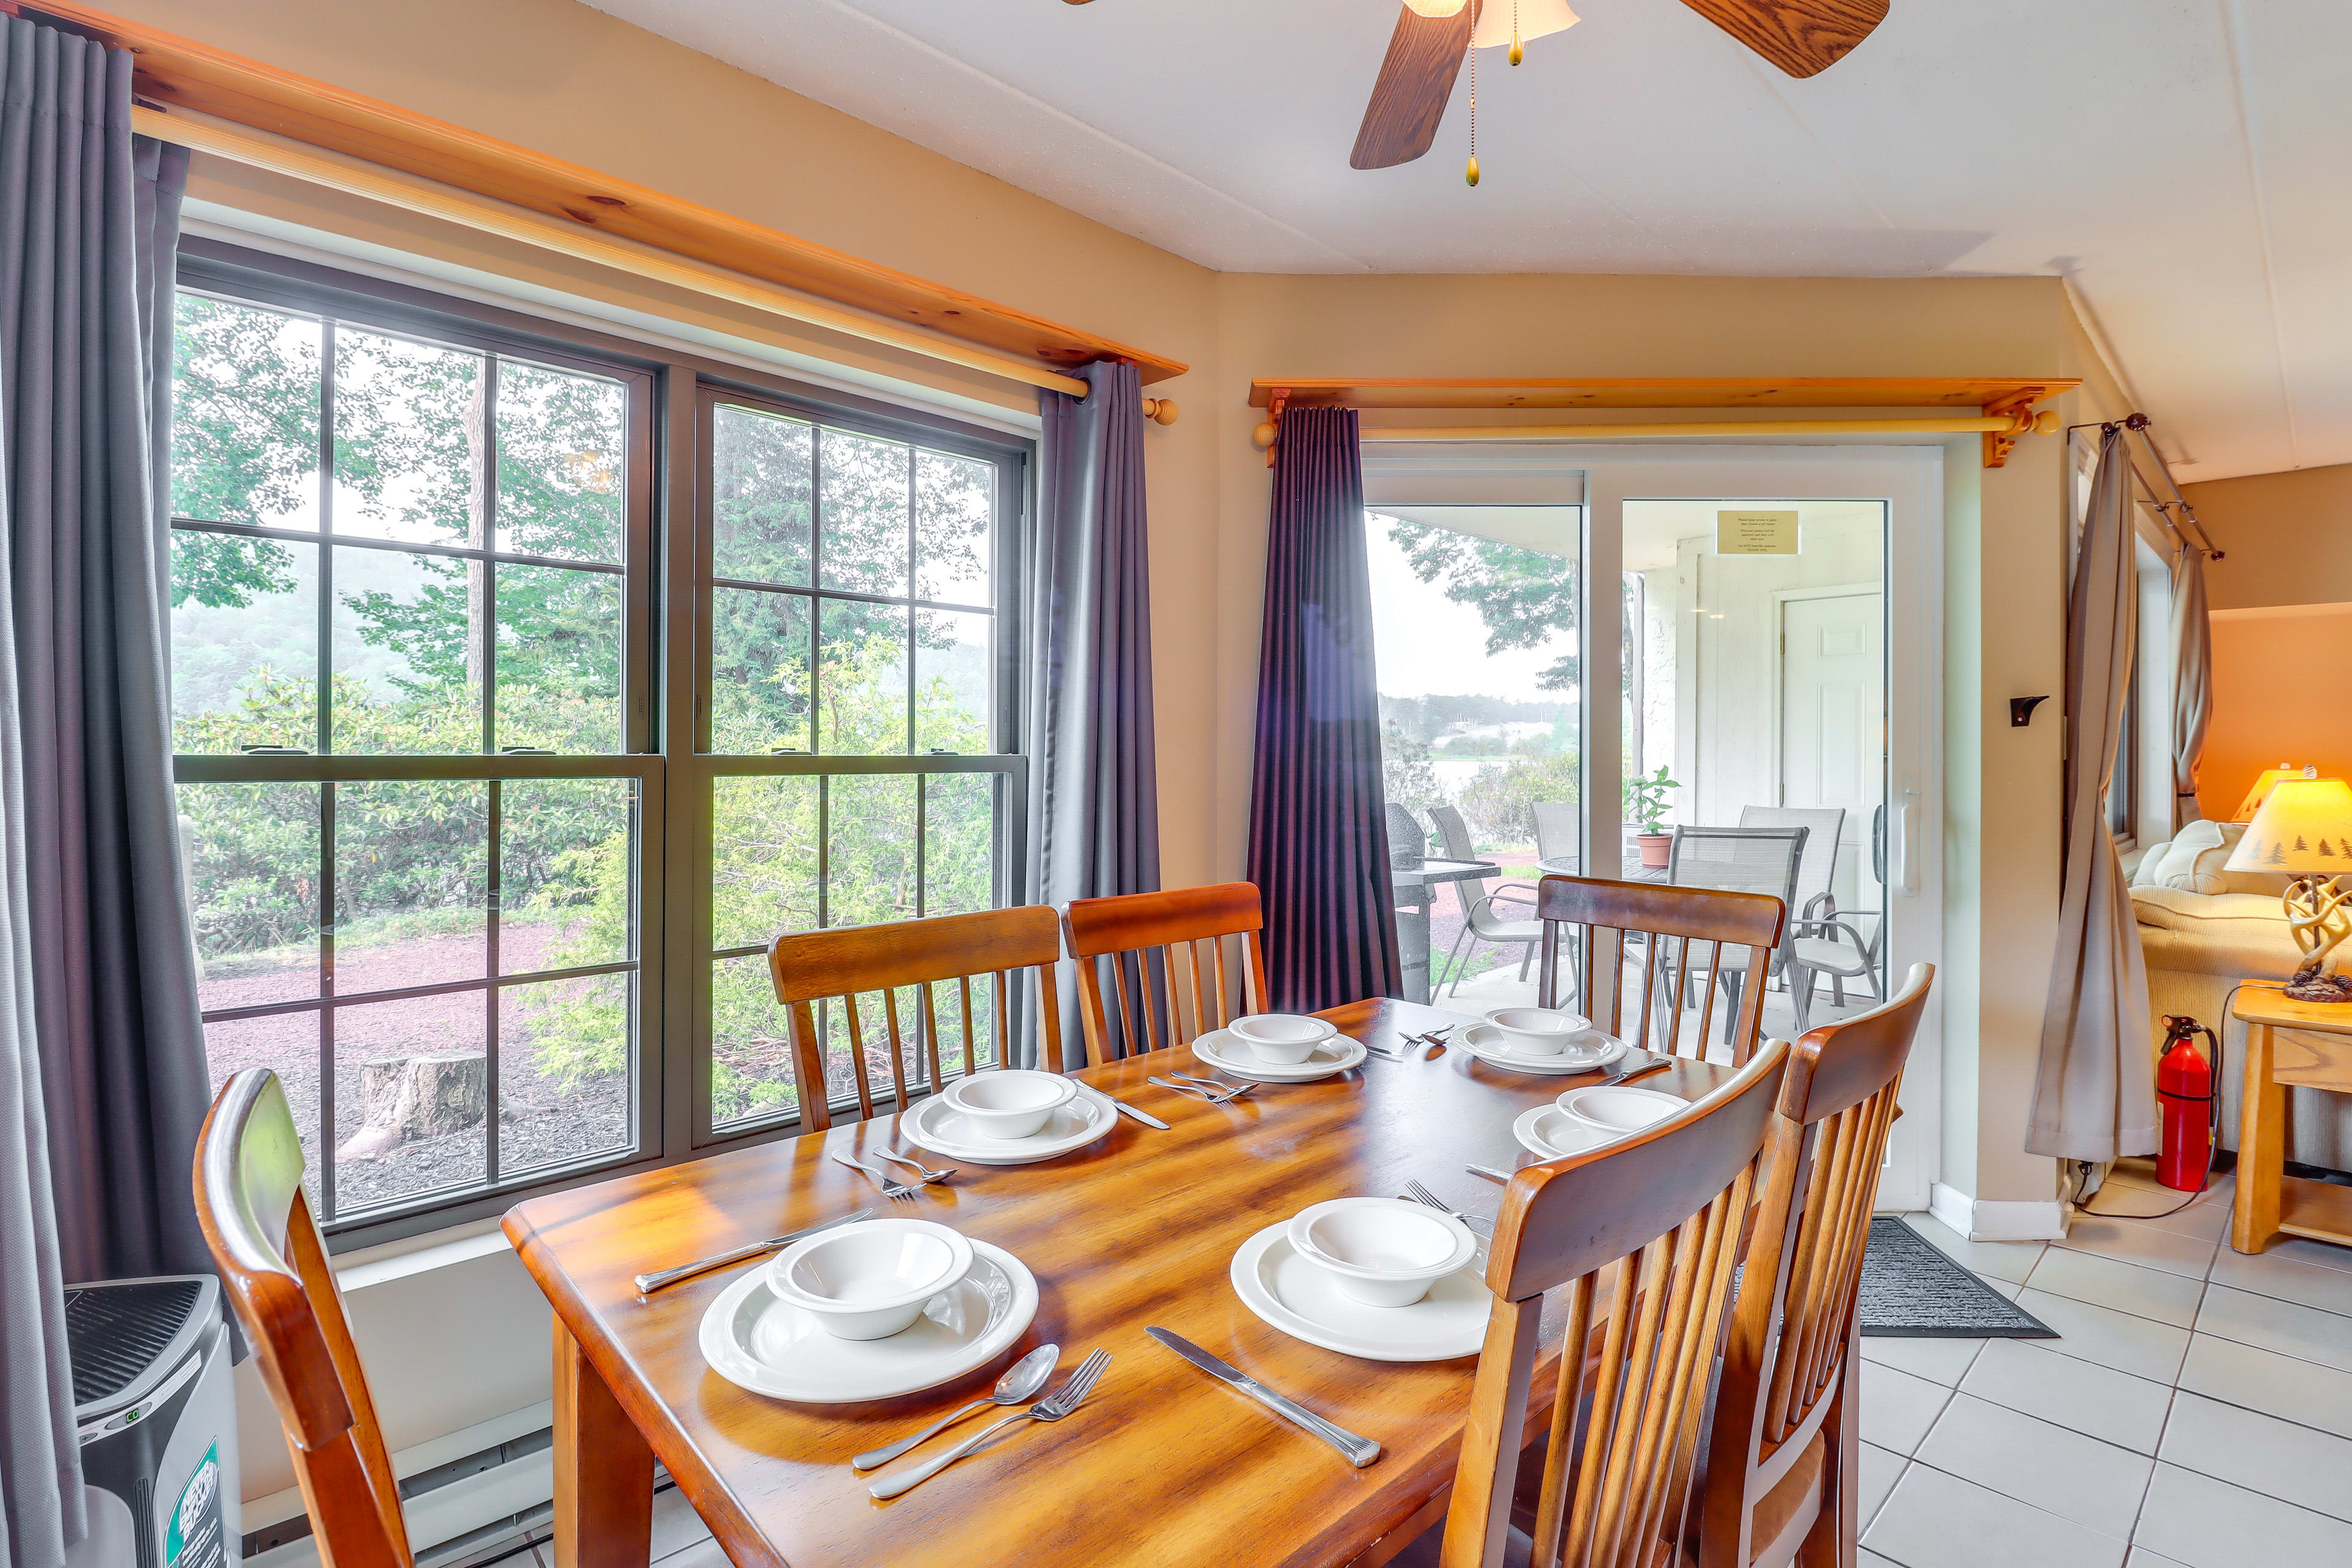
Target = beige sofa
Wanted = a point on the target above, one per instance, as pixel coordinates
(2203, 934)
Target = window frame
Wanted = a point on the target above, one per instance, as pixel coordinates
(695, 798)
(665, 679)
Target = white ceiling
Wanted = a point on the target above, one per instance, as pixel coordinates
(2186, 164)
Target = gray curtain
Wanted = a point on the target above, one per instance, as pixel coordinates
(102, 1054)
(1094, 779)
(2192, 680)
(2095, 1095)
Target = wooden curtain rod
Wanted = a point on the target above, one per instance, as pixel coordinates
(1998, 423)
(585, 244)
(2005, 428)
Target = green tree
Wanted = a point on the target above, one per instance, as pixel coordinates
(1526, 597)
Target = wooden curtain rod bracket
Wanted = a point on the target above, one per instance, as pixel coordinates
(1269, 430)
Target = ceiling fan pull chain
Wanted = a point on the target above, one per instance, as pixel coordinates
(1518, 51)
(1470, 173)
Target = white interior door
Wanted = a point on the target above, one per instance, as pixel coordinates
(1833, 732)
(1848, 714)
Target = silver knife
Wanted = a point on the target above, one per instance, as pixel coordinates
(1360, 1451)
(1143, 1116)
(651, 1283)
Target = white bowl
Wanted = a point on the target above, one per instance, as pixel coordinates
(871, 1280)
(1012, 1102)
(1620, 1109)
(1384, 1252)
(1283, 1039)
(1538, 1031)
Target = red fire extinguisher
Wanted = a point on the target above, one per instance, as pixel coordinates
(2184, 1083)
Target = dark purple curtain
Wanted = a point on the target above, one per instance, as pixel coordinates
(1319, 847)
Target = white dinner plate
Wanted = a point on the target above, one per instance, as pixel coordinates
(1219, 1049)
(755, 1341)
(943, 1130)
(1549, 1133)
(1305, 1301)
(1486, 1042)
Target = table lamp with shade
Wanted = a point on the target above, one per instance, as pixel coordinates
(2303, 829)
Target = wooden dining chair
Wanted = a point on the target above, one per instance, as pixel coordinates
(1142, 935)
(1663, 1211)
(1783, 1453)
(273, 1265)
(840, 964)
(1677, 938)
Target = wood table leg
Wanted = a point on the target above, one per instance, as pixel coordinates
(2261, 1147)
(604, 1471)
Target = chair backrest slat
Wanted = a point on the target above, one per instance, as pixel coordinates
(1655, 1220)
(1147, 930)
(273, 1265)
(847, 962)
(1678, 939)
(1787, 1360)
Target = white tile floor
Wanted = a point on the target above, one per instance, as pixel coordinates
(2196, 1414)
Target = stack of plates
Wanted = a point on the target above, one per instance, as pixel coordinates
(757, 1340)
(943, 1130)
(1219, 1049)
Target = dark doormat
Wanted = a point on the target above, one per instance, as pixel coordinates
(1911, 1290)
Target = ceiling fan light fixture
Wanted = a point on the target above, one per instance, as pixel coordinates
(1535, 19)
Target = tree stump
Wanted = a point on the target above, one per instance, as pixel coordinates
(406, 1098)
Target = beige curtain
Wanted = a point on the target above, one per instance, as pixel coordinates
(2192, 680)
(2095, 1095)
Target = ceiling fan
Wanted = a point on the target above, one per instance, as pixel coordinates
(1802, 37)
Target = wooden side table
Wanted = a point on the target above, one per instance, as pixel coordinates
(2320, 1056)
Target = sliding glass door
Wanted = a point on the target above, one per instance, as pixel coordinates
(1769, 623)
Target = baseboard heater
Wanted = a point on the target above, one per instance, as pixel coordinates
(462, 1511)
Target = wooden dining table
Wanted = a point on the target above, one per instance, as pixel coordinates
(1163, 1465)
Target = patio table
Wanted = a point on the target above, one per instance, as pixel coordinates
(1416, 883)
(1163, 1465)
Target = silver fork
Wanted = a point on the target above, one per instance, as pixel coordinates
(1218, 1084)
(1203, 1094)
(897, 1191)
(1423, 1195)
(1053, 1407)
(930, 1176)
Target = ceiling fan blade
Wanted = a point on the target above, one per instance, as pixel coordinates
(1803, 38)
(1415, 80)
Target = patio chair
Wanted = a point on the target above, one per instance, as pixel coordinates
(1480, 921)
(1559, 836)
(1815, 903)
(1829, 941)
(1408, 839)
(1735, 859)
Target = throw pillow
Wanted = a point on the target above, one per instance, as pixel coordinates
(2194, 861)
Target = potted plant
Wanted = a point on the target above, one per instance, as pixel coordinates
(1645, 802)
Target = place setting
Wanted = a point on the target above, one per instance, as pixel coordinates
(1280, 1048)
(1013, 1116)
(1549, 1041)
(1384, 1278)
(868, 1308)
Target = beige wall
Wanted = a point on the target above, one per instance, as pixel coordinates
(583, 86)
(2287, 537)
(2278, 676)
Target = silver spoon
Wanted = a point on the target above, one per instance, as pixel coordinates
(1022, 1379)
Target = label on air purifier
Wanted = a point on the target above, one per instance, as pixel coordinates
(192, 1537)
